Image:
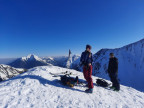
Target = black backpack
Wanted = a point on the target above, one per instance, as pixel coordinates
(69, 81)
(102, 83)
(1, 79)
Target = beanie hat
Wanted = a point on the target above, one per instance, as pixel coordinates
(111, 54)
(88, 46)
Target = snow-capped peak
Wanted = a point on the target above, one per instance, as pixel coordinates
(31, 57)
(50, 58)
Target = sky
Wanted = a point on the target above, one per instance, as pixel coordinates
(52, 27)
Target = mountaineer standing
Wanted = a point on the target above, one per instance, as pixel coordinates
(113, 72)
(86, 61)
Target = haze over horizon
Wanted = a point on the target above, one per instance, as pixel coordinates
(60, 55)
(51, 28)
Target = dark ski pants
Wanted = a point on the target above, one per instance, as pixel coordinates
(114, 80)
(87, 71)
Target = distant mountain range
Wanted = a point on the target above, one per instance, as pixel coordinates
(28, 62)
(32, 60)
(62, 61)
(56, 61)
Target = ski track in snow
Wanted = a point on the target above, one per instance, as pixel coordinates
(38, 89)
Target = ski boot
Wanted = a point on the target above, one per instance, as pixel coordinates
(112, 88)
(89, 91)
(116, 90)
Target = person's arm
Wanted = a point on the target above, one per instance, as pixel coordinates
(116, 65)
(109, 67)
(91, 59)
(81, 59)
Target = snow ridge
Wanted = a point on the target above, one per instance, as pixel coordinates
(131, 64)
(7, 72)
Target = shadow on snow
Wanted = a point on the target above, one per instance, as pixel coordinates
(44, 81)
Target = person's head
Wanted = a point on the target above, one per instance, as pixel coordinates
(111, 55)
(88, 48)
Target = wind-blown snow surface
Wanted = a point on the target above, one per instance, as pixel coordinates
(38, 89)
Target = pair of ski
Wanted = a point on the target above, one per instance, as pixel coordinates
(62, 73)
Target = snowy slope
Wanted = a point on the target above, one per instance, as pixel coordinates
(38, 89)
(28, 62)
(131, 64)
(7, 72)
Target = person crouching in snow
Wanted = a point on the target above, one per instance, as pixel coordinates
(86, 61)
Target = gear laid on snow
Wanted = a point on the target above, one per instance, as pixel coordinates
(61, 73)
(102, 83)
(1, 79)
(69, 81)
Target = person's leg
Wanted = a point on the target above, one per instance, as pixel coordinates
(85, 73)
(115, 81)
(111, 78)
(90, 81)
(117, 85)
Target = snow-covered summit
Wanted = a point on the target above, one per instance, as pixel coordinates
(28, 62)
(31, 57)
(37, 88)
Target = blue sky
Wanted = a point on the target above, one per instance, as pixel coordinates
(52, 27)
